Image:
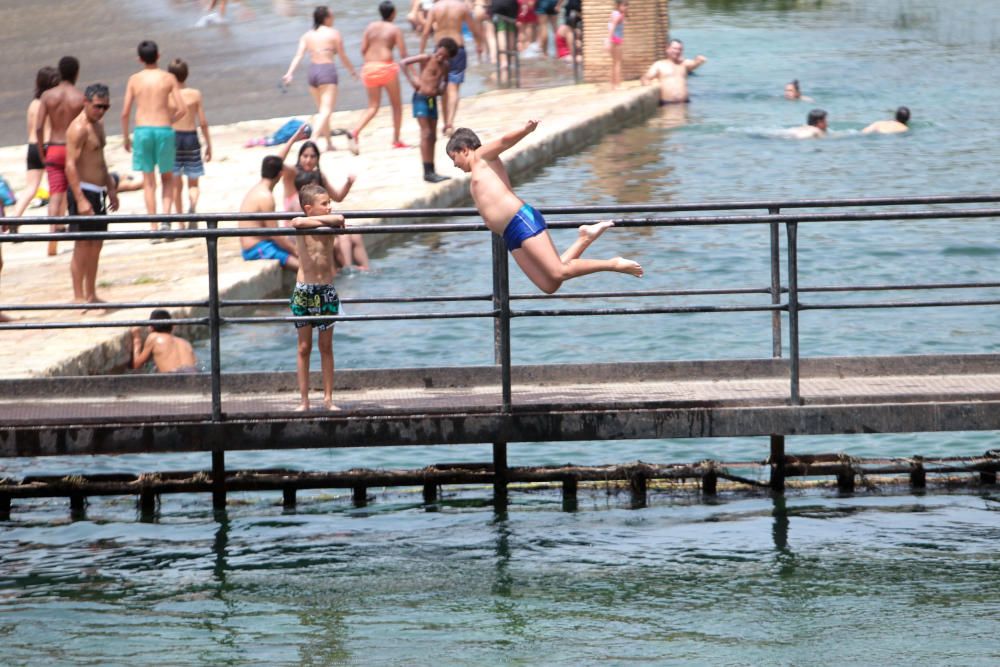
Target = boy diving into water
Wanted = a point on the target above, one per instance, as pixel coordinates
(521, 226)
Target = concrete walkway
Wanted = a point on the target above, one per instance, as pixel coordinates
(570, 117)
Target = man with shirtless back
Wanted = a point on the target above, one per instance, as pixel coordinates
(380, 71)
(90, 186)
(671, 73)
(260, 199)
(446, 18)
(152, 90)
(59, 106)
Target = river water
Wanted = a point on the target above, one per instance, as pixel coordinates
(813, 579)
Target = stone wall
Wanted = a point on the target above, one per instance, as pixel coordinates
(646, 30)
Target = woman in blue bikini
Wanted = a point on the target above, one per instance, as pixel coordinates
(521, 226)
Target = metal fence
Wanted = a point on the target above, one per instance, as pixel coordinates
(781, 298)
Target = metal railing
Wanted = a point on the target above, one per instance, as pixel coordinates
(500, 297)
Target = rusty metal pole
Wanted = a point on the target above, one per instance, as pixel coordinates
(218, 478)
(569, 499)
(777, 461)
(500, 476)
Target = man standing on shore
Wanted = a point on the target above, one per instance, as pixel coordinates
(671, 73)
(446, 18)
(260, 199)
(59, 106)
(90, 185)
(380, 71)
(152, 91)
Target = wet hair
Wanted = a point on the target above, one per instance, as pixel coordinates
(449, 45)
(903, 115)
(309, 193)
(271, 166)
(815, 116)
(461, 139)
(148, 51)
(160, 314)
(179, 69)
(794, 83)
(385, 9)
(69, 68)
(47, 77)
(96, 90)
(304, 178)
(320, 15)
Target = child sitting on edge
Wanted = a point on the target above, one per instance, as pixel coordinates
(170, 353)
(522, 227)
(314, 293)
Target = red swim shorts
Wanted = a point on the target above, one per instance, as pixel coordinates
(55, 168)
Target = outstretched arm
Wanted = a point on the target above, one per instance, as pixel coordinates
(312, 222)
(692, 65)
(492, 150)
(338, 194)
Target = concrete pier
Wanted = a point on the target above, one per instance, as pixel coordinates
(570, 117)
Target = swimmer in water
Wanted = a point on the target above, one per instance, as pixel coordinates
(814, 128)
(521, 226)
(671, 73)
(793, 92)
(900, 124)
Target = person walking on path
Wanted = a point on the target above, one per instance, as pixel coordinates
(522, 227)
(46, 79)
(380, 71)
(91, 187)
(322, 43)
(616, 40)
(158, 105)
(57, 107)
(188, 158)
(446, 19)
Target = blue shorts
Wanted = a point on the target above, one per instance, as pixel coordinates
(266, 249)
(527, 222)
(456, 70)
(424, 106)
(187, 160)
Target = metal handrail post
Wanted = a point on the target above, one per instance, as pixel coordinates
(575, 52)
(793, 310)
(775, 284)
(501, 322)
(214, 321)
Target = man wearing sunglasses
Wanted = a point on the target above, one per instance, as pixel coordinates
(91, 186)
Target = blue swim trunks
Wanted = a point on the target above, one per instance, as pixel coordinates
(527, 222)
(153, 147)
(424, 106)
(456, 70)
(266, 249)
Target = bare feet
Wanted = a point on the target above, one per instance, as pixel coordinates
(623, 265)
(328, 404)
(352, 143)
(303, 407)
(590, 233)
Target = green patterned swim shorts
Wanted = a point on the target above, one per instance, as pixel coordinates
(313, 300)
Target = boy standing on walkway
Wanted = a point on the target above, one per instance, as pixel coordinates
(426, 87)
(314, 293)
(187, 161)
(152, 90)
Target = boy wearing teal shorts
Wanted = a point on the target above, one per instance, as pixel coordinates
(158, 105)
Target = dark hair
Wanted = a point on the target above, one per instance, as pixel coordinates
(69, 68)
(309, 192)
(903, 115)
(96, 90)
(450, 45)
(148, 51)
(573, 19)
(160, 314)
(386, 8)
(461, 139)
(304, 178)
(302, 149)
(675, 40)
(271, 166)
(815, 116)
(47, 77)
(794, 83)
(179, 69)
(320, 15)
